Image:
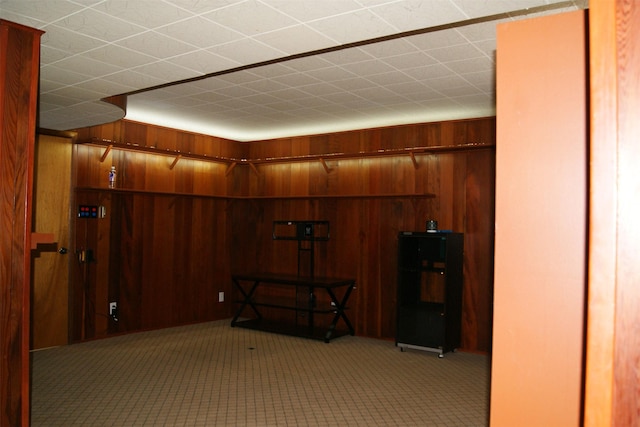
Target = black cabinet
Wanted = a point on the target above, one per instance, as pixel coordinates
(429, 291)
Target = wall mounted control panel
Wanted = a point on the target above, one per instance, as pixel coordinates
(91, 211)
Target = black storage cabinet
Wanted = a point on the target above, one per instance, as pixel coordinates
(429, 291)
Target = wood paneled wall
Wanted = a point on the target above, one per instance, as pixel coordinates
(170, 253)
(19, 67)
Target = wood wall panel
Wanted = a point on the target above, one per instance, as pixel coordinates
(19, 68)
(613, 348)
(162, 262)
(179, 251)
(541, 222)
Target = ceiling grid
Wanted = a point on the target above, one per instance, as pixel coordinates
(258, 69)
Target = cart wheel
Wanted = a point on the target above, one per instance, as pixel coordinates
(441, 356)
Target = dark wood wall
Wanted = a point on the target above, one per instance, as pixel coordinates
(173, 236)
(19, 66)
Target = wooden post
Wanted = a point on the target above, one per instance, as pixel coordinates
(19, 70)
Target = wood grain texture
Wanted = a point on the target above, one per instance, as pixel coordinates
(50, 274)
(19, 65)
(612, 396)
(174, 253)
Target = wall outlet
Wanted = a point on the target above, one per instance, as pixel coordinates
(113, 308)
(220, 296)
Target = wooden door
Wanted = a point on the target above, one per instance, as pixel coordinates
(50, 277)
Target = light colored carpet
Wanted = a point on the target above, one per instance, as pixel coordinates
(210, 374)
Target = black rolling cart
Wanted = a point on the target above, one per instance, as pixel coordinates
(430, 274)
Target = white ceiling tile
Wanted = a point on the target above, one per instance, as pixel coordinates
(485, 81)
(415, 93)
(290, 94)
(475, 100)
(184, 89)
(409, 60)
(210, 97)
(487, 47)
(310, 10)
(76, 93)
(62, 75)
(459, 91)
(49, 55)
(476, 8)
(380, 95)
(49, 11)
(415, 14)
(471, 65)
(295, 80)
(346, 56)
(354, 84)
(385, 79)
(481, 31)
(72, 43)
(273, 70)
(97, 48)
(446, 83)
(233, 102)
(284, 105)
(105, 87)
(200, 6)
(424, 96)
(134, 79)
(296, 39)
(156, 45)
(389, 48)
(23, 20)
(341, 97)
(432, 71)
(455, 53)
(165, 71)
(240, 77)
(58, 99)
(204, 62)
(438, 39)
(146, 13)
(157, 95)
(237, 92)
(48, 85)
(354, 26)
(251, 18)
(184, 102)
(99, 25)
(261, 99)
(119, 56)
(331, 74)
(309, 63)
(368, 67)
(247, 51)
(200, 32)
(210, 84)
(87, 66)
(318, 89)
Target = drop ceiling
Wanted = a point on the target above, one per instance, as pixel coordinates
(251, 70)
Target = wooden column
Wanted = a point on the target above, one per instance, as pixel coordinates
(612, 396)
(541, 222)
(19, 67)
